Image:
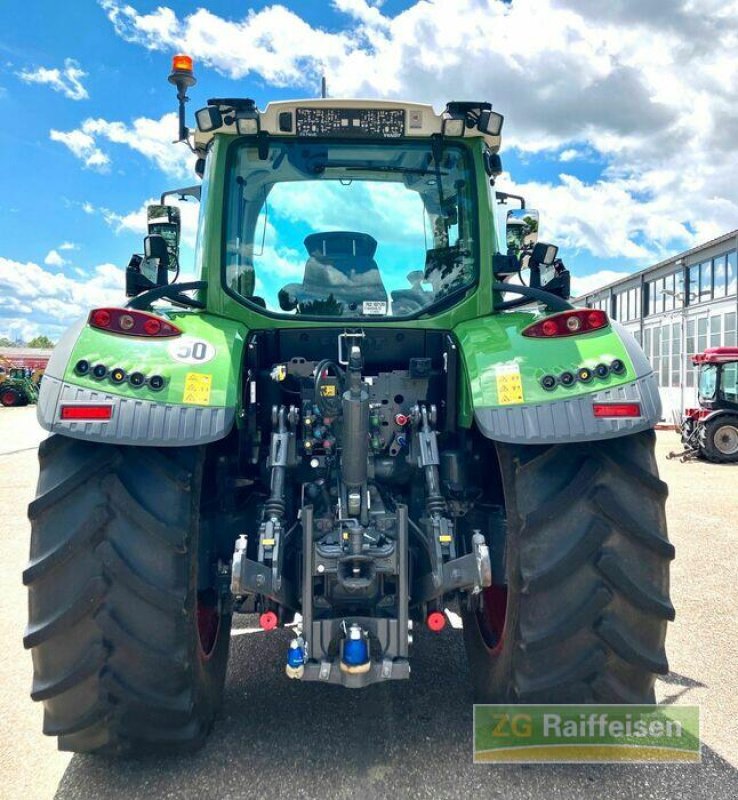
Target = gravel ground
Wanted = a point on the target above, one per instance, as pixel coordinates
(280, 739)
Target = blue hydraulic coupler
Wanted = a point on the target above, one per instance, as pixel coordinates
(355, 651)
(295, 667)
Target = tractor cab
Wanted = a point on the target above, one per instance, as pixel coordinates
(711, 430)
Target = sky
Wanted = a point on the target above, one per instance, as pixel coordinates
(621, 119)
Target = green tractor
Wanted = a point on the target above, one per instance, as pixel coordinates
(404, 417)
(18, 388)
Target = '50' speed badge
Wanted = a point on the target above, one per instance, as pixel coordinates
(189, 350)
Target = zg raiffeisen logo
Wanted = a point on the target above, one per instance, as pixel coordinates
(596, 733)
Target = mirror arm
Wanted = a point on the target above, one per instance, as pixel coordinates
(551, 301)
(187, 191)
(503, 197)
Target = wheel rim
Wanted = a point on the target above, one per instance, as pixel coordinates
(726, 440)
(492, 617)
(8, 398)
(208, 622)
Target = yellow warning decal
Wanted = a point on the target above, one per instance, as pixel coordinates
(328, 390)
(509, 384)
(197, 389)
(444, 539)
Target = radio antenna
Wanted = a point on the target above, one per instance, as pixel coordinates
(323, 88)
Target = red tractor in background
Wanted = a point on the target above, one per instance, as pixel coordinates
(711, 430)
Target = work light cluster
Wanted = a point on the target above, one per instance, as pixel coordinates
(583, 375)
(118, 376)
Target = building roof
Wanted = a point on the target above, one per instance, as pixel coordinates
(12, 353)
(684, 256)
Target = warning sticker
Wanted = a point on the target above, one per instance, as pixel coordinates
(374, 308)
(509, 384)
(197, 389)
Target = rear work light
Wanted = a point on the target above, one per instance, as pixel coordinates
(132, 323)
(84, 413)
(568, 323)
(617, 409)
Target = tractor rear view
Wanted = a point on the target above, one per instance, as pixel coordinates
(370, 407)
(711, 430)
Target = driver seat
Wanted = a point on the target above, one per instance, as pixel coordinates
(340, 263)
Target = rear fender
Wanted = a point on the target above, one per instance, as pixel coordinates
(508, 402)
(201, 371)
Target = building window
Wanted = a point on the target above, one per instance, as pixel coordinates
(716, 323)
(702, 334)
(656, 297)
(679, 299)
(694, 283)
(729, 331)
(705, 281)
(731, 271)
(718, 275)
(669, 293)
(690, 345)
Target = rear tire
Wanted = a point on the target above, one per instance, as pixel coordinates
(120, 662)
(721, 439)
(9, 397)
(585, 613)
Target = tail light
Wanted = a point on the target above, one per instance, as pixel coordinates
(86, 413)
(616, 410)
(568, 323)
(132, 323)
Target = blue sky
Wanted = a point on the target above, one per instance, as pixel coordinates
(620, 118)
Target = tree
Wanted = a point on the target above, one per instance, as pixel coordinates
(5, 342)
(42, 342)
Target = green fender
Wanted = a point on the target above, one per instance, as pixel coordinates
(197, 403)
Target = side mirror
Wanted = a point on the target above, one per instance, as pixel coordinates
(165, 221)
(522, 231)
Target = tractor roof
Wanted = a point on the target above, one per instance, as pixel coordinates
(342, 118)
(716, 355)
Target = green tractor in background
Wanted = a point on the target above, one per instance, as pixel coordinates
(17, 387)
(367, 409)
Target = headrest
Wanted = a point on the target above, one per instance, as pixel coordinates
(341, 243)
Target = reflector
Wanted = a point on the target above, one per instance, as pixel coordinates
(86, 412)
(616, 409)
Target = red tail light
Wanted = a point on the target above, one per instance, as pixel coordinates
(617, 409)
(132, 323)
(568, 323)
(86, 413)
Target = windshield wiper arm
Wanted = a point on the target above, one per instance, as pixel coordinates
(401, 170)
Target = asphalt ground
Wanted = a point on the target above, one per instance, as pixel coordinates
(277, 738)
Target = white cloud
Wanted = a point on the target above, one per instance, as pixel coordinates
(83, 146)
(68, 81)
(570, 154)
(68, 246)
(50, 301)
(648, 90)
(54, 259)
(589, 283)
(151, 138)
